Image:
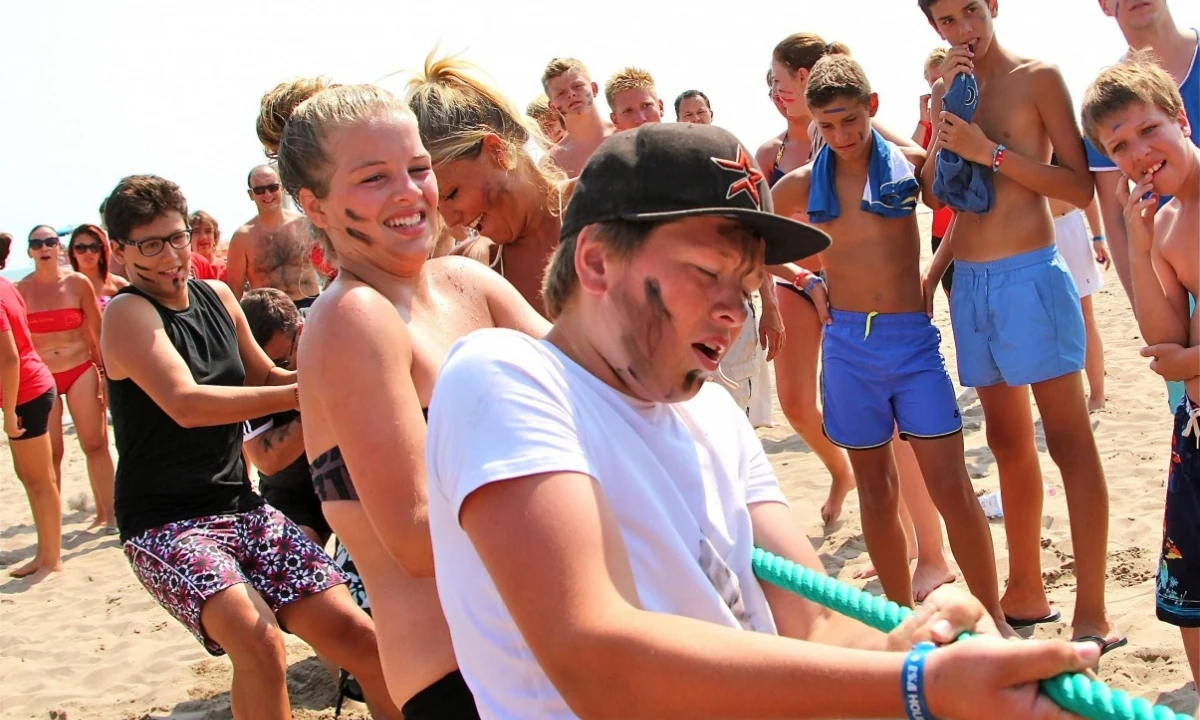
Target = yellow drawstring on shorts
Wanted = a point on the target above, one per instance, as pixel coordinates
(870, 315)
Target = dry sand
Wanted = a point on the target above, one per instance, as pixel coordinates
(90, 642)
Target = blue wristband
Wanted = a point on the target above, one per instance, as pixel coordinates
(812, 283)
(912, 682)
(1098, 238)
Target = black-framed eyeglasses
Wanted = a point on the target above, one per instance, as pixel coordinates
(264, 189)
(86, 248)
(286, 363)
(39, 243)
(149, 247)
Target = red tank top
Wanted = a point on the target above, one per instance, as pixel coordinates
(941, 218)
(35, 376)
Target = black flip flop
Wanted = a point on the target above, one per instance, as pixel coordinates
(1105, 646)
(1018, 623)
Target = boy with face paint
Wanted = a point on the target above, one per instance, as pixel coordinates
(572, 93)
(593, 547)
(882, 363)
(1014, 308)
(1136, 116)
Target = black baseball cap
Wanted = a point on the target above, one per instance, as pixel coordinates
(668, 171)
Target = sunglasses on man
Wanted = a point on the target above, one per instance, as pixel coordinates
(264, 189)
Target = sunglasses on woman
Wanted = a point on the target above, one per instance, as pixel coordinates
(86, 248)
(38, 243)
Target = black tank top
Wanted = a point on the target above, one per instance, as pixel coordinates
(166, 472)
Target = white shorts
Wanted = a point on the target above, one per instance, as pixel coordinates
(1075, 246)
(745, 375)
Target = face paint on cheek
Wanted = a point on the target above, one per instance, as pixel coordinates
(692, 381)
(654, 298)
(358, 235)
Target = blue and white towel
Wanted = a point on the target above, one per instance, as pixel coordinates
(891, 189)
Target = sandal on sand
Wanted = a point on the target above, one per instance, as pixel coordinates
(1105, 646)
(1018, 623)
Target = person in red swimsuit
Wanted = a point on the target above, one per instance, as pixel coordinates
(64, 320)
(27, 395)
(88, 252)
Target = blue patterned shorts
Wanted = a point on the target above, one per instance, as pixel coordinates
(1178, 595)
(182, 564)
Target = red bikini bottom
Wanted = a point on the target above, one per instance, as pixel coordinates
(64, 380)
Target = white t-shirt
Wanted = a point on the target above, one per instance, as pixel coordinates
(679, 478)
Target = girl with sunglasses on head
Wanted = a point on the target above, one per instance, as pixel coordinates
(27, 395)
(89, 254)
(64, 321)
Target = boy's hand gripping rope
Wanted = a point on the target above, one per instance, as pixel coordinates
(1074, 692)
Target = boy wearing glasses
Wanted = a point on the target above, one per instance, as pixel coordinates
(184, 373)
(273, 248)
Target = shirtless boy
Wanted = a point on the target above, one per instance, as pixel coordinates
(1135, 115)
(1145, 25)
(633, 99)
(1014, 308)
(273, 248)
(883, 365)
(573, 94)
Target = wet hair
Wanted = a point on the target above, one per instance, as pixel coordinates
(202, 217)
(138, 200)
(837, 76)
(302, 155)
(269, 311)
(560, 278)
(256, 168)
(101, 237)
(1138, 80)
(561, 66)
(803, 50)
(627, 78)
(691, 94)
(39, 227)
(5, 247)
(935, 57)
(277, 106)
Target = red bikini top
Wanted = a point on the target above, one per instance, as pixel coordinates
(48, 321)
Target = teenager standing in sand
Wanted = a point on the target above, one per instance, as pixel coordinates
(184, 374)
(1007, 338)
(1135, 114)
(594, 545)
(64, 319)
(89, 254)
(352, 158)
(486, 179)
(883, 374)
(632, 98)
(573, 94)
(27, 395)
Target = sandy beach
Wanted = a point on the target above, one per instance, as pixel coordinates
(91, 643)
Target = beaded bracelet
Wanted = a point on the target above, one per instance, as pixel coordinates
(998, 158)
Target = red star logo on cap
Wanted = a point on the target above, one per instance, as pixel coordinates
(748, 183)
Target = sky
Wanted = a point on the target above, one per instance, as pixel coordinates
(94, 91)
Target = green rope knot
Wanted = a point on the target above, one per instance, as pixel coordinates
(1072, 691)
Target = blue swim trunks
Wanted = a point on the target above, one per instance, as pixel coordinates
(881, 371)
(1016, 320)
(1178, 591)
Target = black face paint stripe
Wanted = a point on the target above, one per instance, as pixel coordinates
(359, 235)
(354, 216)
(654, 298)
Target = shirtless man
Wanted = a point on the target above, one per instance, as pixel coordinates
(1145, 25)
(633, 99)
(1008, 337)
(272, 249)
(573, 94)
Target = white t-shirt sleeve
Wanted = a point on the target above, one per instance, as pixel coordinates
(499, 412)
(761, 485)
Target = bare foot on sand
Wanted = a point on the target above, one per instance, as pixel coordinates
(33, 566)
(99, 522)
(928, 577)
(832, 509)
(868, 571)
(1095, 403)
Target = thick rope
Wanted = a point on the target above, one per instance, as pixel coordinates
(1072, 691)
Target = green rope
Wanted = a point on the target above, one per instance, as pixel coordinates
(1074, 692)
